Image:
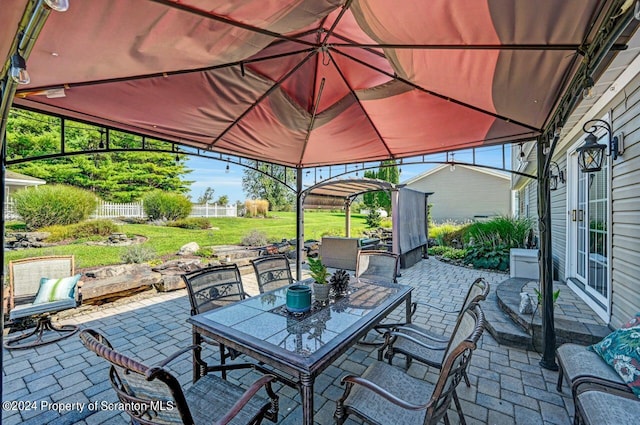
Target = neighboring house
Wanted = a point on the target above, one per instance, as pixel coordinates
(13, 182)
(596, 217)
(464, 193)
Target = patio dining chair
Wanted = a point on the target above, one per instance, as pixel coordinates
(210, 288)
(379, 266)
(388, 395)
(153, 395)
(39, 287)
(420, 344)
(272, 272)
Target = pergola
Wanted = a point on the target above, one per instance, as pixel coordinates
(305, 83)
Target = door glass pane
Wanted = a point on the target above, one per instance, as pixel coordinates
(598, 206)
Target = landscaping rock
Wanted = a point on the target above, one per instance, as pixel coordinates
(24, 240)
(113, 282)
(188, 249)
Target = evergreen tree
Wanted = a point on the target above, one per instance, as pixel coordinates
(388, 171)
(115, 177)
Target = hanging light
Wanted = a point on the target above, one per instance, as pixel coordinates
(18, 71)
(591, 154)
(101, 144)
(452, 164)
(226, 169)
(58, 5)
(555, 177)
(588, 89)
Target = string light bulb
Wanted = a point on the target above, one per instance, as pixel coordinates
(18, 71)
(58, 5)
(226, 169)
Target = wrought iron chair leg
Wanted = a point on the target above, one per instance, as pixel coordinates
(456, 401)
(560, 377)
(445, 418)
(466, 379)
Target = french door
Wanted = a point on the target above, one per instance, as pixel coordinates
(589, 255)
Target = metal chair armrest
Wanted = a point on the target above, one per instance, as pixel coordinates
(158, 367)
(265, 382)
(422, 334)
(586, 383)
(350, 380)
(415, 341)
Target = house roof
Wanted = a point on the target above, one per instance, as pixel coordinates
(17, 179)
(497, 174)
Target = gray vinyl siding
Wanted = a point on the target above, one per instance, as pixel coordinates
(465, 194)
(559, 224)
(625, 199)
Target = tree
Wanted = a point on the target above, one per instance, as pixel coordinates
(388, 171)
(262, 186)
(115, 177)
(207, 196)
(223, 200)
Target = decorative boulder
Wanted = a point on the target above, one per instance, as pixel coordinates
(188, 249)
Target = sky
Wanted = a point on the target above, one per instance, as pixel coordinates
(212, 173)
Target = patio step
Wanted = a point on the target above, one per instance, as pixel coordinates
(573, 327)
(502, 327)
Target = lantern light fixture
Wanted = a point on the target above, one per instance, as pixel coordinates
(591, 153)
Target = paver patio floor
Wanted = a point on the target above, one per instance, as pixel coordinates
(508, 385)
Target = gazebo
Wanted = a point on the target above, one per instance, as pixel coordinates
(310, 83)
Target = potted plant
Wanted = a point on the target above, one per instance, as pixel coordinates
(319, 273)
(340, 281)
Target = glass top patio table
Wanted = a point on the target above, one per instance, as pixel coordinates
(302, 345)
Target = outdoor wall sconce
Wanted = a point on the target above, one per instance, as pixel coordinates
(557, 177)
(591, 154)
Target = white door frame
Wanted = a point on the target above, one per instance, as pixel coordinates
(572, 238)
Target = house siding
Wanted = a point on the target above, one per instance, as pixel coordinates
(625, 207)
(464, 194)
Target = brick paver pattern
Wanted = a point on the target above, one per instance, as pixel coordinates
(508, 385)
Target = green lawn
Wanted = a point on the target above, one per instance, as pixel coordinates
(167, 240)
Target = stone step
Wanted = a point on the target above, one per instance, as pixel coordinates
(567, 329)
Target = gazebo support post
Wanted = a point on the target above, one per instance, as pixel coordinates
(299, 223)
(545, 262)
(347, 217)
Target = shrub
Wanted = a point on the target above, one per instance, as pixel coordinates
(54, 204)
(166, 205)
(85, 229)
(205, 251)
(256, 207)
(489, 255)
(386, 223)
(448, 252)
(94, 228)
(255, 238)
(373, 220)
(137, 254)
(194, 223)
(511, 231)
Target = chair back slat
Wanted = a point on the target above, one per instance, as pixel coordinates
(272, 272)
(214, 287)
(380, 266)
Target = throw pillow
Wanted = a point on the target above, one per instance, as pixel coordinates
(621, 350)
(56, 289)
(634, 321)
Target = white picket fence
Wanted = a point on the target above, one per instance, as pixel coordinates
(136, 210)
(114, 210)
